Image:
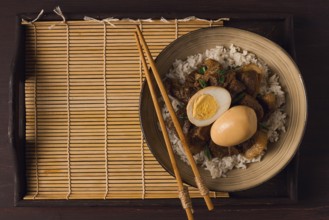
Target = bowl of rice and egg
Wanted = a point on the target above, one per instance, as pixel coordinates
(212, 107)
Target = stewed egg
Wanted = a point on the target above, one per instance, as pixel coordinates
(235, 126)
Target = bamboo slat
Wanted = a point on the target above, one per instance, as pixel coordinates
(82, 87)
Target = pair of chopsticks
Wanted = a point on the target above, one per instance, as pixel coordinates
(183, 192)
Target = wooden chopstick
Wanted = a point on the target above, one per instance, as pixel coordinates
(202, 188)
(186, 202)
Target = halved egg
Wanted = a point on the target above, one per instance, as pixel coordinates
(207, 105)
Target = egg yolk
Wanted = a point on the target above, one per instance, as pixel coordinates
(204, 107)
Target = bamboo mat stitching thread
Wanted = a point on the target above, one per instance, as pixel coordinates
(105, 117)
(142, 137)
(68, 110)
(58, 11)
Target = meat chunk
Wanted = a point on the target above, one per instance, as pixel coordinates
(212, 66)
(206, 75)
(198, 137)
(244, 146)
(210, 74)
(230, 76)
(259, 145)
(236, 87)
(201, 81)
(233, 85)
(183, 92)
(253, 67)
(269, 100)
(251, 102)
(200, 133)
(190, 79)
(213, 81)
(220, 152)
(196, 147)
(251, 80)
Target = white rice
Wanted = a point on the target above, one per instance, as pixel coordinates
(228, 57)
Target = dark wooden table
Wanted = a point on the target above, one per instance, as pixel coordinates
(311, 21)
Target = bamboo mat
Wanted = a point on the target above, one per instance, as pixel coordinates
(82, 85)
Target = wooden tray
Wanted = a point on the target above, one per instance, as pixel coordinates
(283, 187)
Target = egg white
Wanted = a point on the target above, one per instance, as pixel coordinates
(222, 98)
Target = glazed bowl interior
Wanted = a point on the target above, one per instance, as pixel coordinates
(279, 153)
